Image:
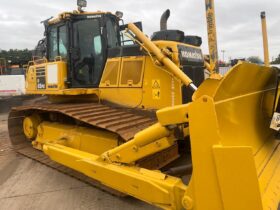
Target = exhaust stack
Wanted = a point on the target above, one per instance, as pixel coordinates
(265, 39)
(163, 20)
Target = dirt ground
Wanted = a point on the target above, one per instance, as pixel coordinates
(26, 184)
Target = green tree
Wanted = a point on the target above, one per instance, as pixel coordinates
(17, 57)
(277, 60)
(255, 59)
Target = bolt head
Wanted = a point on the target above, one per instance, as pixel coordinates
(135, 148)
(187, 203)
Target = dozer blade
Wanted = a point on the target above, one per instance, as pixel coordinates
(236, 156)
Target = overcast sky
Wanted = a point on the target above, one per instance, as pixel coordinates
(238, 21)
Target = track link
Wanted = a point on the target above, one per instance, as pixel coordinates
(122, 121)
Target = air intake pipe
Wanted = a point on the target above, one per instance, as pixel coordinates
(163, 20)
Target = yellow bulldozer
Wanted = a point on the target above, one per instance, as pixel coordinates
(138, 116)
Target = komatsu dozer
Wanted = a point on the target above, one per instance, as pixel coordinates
(124, 110)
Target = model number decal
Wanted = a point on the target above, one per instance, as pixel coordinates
(191, 55)
(41, 83)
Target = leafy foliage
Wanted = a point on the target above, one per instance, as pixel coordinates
(16, 57)
(277, 60)
(255, 59)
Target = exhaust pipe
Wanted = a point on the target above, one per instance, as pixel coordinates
(265, 39)
(163, 20)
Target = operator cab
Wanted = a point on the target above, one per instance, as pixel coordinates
(83, 39)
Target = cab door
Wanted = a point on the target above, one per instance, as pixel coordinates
(88, 45)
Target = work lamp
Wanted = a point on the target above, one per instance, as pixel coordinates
(81, 3)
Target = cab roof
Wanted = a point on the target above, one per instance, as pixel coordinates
(68, 15)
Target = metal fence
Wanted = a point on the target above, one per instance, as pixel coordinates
(224, 70)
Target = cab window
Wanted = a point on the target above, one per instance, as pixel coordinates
(112, 33)
(63, 41)
(53, 51)
(58, 42)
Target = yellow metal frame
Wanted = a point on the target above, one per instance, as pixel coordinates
(145, 95)
(76, 137)
(150, 186)
(70, 92)
(235, 155)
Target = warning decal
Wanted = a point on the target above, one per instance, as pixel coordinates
(156, 89)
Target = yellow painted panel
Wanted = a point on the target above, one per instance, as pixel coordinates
(132, 71)
(110, 77)
(269, 179)
(56, 75)
(131, 97)
(160, 89)
(242, 106)
(204, 133)
(166, 92)
(94, 141)
(45, 77)
(237, 177)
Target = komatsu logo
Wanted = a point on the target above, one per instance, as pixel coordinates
(191, 55)
(93, 16)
